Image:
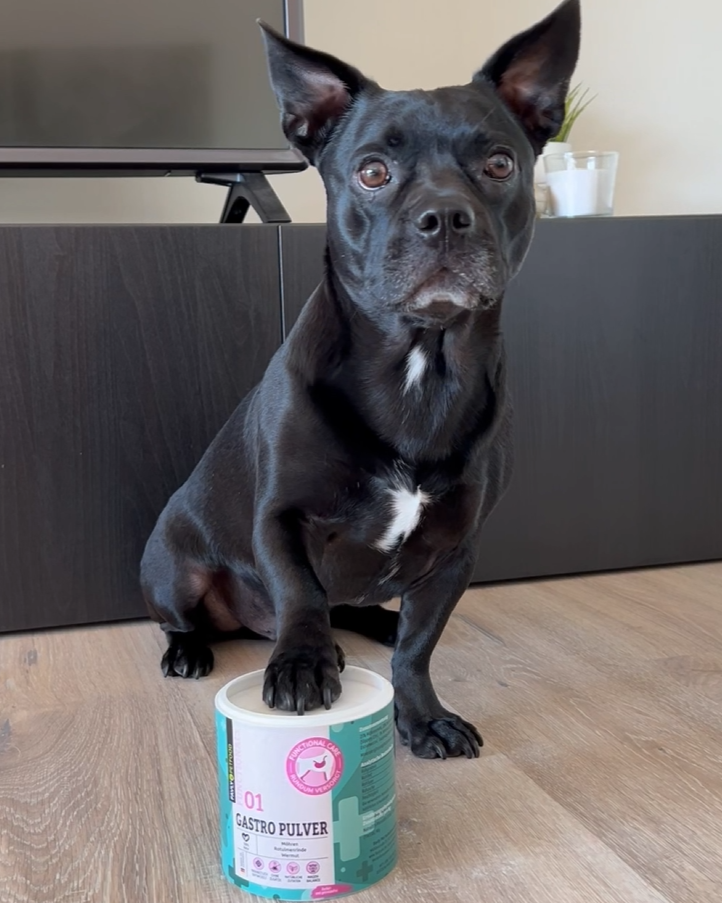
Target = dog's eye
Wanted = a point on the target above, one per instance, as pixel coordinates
(499, 167)
(374, 174)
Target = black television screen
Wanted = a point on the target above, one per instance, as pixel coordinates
(144, 85)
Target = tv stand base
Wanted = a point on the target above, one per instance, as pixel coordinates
(246, 190)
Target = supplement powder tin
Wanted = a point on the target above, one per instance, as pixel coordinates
(308, 804)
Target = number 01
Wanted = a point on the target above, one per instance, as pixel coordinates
(253, 801)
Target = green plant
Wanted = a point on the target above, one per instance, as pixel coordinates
(575, 105)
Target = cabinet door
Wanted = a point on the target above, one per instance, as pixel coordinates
(614, 339)
(123, 352)
(614, 336)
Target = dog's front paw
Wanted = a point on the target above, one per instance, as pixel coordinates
(305, 678)
(186, 658)
(439, 738)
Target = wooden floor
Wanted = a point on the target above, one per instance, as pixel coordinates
(600, 700)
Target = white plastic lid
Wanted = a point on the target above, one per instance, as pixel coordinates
(364, 693)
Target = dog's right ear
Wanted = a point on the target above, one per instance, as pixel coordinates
(313, 90)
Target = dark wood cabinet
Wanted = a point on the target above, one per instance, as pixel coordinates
(123, 352)
(614, 338)
(125, 349)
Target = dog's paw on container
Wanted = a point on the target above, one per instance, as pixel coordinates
(302, 679)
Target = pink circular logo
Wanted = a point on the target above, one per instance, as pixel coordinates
(314, 766)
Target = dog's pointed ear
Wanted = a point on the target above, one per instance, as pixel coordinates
(313, 90)
(532, 71)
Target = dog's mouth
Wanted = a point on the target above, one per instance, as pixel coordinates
(445, 295)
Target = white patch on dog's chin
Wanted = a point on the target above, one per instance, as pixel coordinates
(427, 297)
(407, 508)
(415, 366)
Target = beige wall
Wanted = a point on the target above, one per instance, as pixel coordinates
(656, 66)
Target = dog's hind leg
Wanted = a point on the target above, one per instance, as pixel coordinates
(174, 588)
(372, 621)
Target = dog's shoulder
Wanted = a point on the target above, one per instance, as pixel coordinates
(285, 412)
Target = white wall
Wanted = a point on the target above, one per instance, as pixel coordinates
(655, 65)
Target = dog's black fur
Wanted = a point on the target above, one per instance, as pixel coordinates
(365, 463)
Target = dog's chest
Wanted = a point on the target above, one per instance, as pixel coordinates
(387, 529)
(404, 509)
(400, 507)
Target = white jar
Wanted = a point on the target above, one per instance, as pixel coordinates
(308, 805)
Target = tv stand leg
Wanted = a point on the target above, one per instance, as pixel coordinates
(236, 206)
(246, 190)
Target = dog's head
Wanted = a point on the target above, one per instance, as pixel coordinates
(430, 193)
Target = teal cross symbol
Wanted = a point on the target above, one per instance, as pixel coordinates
(365, 871)
(349, 829)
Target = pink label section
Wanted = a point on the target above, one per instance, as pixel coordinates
(330, 890)
(314, 766)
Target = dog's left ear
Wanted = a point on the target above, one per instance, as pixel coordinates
(313, 90)
(532, 71)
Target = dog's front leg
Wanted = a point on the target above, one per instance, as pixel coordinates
(423, 723)
(303, 672)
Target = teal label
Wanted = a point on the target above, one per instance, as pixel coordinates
(364, 801)
(226, 793)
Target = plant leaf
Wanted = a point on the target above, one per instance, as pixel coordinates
(576, 103)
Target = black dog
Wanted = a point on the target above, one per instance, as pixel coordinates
(363, 466)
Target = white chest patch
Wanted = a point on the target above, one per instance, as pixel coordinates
(415, 366)
(406, 510)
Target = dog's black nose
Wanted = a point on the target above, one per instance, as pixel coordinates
(445, 219)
